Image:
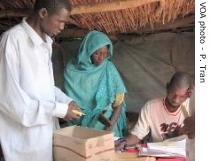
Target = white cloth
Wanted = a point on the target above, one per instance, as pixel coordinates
(155, 118)
(29, 100)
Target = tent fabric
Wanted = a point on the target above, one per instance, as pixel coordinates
(146, 63)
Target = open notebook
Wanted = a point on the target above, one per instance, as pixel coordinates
(169, 148)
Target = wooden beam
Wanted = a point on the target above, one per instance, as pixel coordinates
(72, 33)
(109, 6)
(179, 23)
(15, 13)
(78, 33)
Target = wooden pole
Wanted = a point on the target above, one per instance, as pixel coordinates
(109, 6)
(15, 13)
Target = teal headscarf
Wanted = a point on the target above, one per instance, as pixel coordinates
(94, 88)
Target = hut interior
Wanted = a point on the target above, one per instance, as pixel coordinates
(152, 39)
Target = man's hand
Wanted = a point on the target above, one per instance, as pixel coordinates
(189, 127)
(120, 144)
(70, 114)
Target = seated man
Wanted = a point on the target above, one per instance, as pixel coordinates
(163, 117)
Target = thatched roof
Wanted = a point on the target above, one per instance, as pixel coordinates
(111, 16)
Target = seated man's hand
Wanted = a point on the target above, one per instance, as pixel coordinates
(120, 144)
(70, 114)
(189, 127)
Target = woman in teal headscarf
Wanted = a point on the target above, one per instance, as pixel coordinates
(94, 83)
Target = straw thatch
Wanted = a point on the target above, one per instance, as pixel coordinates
(115, 16)
(134, 19)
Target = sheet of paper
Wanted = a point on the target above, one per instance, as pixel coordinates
(166, 148)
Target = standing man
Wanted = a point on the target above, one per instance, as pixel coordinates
(29, 101)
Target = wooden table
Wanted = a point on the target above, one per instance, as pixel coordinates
(132, 157)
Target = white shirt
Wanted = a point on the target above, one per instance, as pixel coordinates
(29, 100)
(163, 124)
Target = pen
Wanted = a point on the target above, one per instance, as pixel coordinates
(78, 112)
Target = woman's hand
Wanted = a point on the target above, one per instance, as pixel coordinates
(110, 127)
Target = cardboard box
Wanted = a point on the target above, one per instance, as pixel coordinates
(83, 144)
